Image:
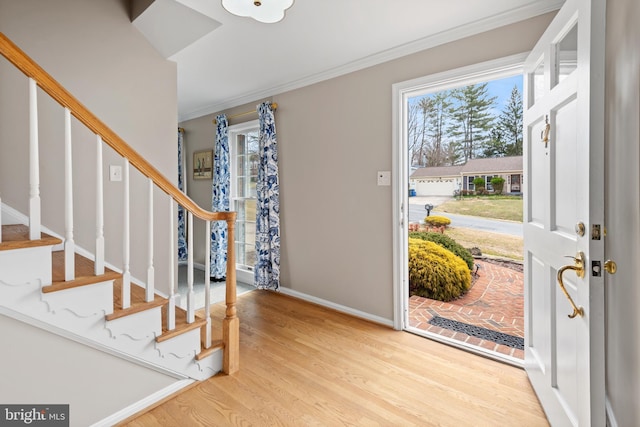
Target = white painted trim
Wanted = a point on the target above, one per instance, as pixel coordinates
(6, 311)
(143, 403)
(12, 216)
(401, 91)
(480, 26)
(337, 307)
(611, 418)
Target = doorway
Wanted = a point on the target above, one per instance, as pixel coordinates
(471, 322)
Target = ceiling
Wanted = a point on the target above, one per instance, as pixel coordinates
(224, 60)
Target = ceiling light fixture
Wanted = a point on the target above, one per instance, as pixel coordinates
(267, 11)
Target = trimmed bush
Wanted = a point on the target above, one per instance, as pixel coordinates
(437, 221)
(497, 183)
(447, 243)
(435, 272)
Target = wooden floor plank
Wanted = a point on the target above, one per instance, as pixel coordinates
(305, 365)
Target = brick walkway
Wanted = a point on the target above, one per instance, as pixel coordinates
(495, 302)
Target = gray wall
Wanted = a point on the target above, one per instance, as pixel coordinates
(92, 49)
(622, 208)
(42, 368)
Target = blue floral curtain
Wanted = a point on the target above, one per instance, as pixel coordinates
(182, 241)
(267, 268)
(220, 199)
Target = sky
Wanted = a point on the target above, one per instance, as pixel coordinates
(501, 89)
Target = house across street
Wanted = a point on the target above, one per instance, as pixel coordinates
(447, 180)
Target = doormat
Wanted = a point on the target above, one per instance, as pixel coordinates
(479, 332)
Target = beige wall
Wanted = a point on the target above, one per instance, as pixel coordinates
(92, 49)
(333, 137)
(622, 208)
(39, 367)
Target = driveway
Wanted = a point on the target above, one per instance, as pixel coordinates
(417, 213)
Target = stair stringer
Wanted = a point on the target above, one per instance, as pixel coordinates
(81, 312)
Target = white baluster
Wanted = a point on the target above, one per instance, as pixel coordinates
(126, 275)
(171, 306)
(150, 290)
(69, 244)
(191, 311)
(99, 264)
(34, 164)
(207, 284)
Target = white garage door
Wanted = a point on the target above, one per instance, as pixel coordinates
(435, 187)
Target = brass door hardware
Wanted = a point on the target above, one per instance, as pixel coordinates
(578, 267)
(610, 266)
(580, 229)
(544, 135)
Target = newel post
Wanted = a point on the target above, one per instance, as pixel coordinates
(231, 323)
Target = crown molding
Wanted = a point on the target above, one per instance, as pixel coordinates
(453, 34)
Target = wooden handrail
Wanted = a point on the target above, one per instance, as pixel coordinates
(29, 67)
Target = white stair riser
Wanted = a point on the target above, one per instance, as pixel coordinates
(26, 265)
(81, 311)
(83, 301)
(145, 325)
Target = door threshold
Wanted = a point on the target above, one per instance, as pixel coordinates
(489, 354)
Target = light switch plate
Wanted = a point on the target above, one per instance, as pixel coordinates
(384, 177)
(115, 173)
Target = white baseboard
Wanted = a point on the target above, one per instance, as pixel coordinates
(337, 307)
(10, 215)
(134, 408)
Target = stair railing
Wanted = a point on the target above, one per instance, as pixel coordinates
(38, 77)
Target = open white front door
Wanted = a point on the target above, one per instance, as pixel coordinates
(564, 181)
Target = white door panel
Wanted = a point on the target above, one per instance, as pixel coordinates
(563, 98)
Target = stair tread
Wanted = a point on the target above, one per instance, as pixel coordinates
(84, 269)
(138, 301)
(16, 236)
(215, 345)
(181, 324)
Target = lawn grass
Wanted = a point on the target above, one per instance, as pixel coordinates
(493, 244)
(507, 207)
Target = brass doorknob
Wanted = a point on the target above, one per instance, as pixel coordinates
(610, 266)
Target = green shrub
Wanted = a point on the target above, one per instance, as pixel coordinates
(435, 272)
(497, 183)
(447, 243)
(479, 182)
(437, 221)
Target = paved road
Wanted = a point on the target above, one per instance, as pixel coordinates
(417, 214)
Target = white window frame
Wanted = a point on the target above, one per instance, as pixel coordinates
(244, 273)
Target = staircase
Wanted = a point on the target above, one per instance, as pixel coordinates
(45, 281)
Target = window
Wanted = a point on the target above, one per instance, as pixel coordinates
(470, 185)
(488, 179)
(243, 145)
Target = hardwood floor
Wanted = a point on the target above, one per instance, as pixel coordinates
(305, 365)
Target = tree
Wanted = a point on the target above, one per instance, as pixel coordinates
(438, 117)
(510, 124)
(496, 146)
(472, 118)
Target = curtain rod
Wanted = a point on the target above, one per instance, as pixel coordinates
(181, 130)
(274, 106)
